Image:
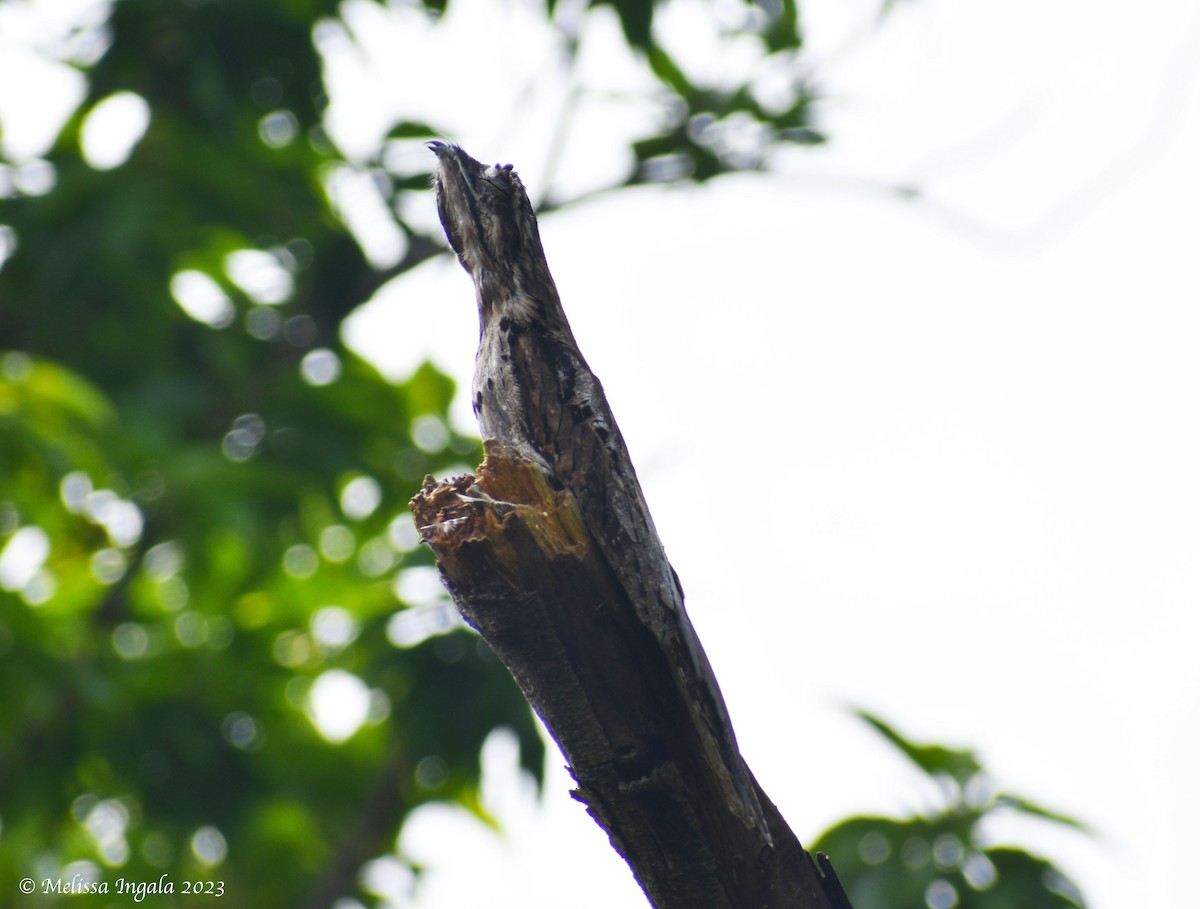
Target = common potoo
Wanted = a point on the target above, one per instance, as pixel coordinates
(534, 392)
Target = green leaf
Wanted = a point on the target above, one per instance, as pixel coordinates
(885, 863)
(958, 764)
(783, 29)
(54, 387)
(1027, 881)
(412, 129)
(668, 71)
(1027, 807)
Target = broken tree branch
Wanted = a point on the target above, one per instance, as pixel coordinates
(521, 566)
(551, 553)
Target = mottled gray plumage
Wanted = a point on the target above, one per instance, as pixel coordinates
(534, 392)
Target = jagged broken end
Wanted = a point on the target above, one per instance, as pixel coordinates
(506, 488)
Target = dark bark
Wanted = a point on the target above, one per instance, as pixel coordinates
(522, 568)
(551, 553)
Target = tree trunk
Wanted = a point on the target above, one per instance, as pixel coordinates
(522, 568)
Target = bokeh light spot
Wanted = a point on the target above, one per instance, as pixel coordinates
(163, 560)
(106, 823)
(300, 561)
(302, 255)
(402, 533)
(333, 627)
(420, 585)
(337, 704)
(242, 731)
(22, 557)
(336, 542)
(874, 848)
(202, 298)
(74, 489)
(191, 629)
(16, 365)
(389, 878)
(292, 649)
(260, 275)
(172, 593)
(263, 323)
(300, 331)
(121, 520)
(113, 128)
(35, 178)
(108, 565)
(940, 894)
(40, 589)
(380, 707)
(376, 557)
(278, 128)
(242, 441)
(979, 871)
(320, 367)
(220, 632)
(915, 852)
(208, 845)
(87, 871)
(130, 640)
(431, 772)
(409, 627)
(8, 236)
(948, 852)
(430, 433)
(360, 497)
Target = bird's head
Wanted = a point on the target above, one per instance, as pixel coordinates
(491, 226)
(481, 207)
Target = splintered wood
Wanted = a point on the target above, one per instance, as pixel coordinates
(479, 507)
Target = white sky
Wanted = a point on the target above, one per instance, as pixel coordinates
(952, 476)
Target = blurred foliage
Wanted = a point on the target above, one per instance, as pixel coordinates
(943, 861)
(203, 492)
(203, 518)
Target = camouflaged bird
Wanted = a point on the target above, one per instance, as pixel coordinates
(534, 392)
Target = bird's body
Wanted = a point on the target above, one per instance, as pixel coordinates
(534, 392)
